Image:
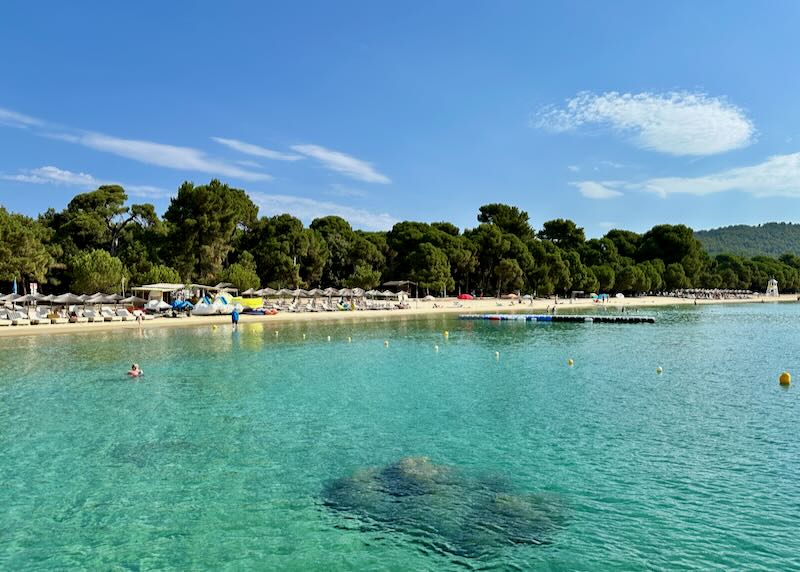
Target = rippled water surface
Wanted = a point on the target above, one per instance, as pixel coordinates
(221, 457)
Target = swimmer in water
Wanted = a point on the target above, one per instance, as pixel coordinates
(135, 371)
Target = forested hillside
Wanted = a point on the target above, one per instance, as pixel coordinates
(213, 233)
(770, 239)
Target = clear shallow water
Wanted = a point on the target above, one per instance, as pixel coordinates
(219, 457)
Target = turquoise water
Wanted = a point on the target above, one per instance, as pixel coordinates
(219, 457)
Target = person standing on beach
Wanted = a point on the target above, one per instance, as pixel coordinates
(235, 319)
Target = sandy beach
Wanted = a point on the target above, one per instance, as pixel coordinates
(419, 309)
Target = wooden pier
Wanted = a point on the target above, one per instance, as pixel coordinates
(597, 319)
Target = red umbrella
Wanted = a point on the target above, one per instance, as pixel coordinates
(466, 297)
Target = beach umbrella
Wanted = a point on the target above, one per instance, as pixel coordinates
(316, 292)
(249, 292)
(388, 294)
(358, 292)
(346, 293)
(284, 292)
(95, 298)
(9, 297)
(134, 301)
(429, 298)
(28, 298)
(48, 298)
(66, 299)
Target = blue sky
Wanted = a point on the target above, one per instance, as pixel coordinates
(612, 114)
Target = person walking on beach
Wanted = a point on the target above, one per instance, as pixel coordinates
(235, 319)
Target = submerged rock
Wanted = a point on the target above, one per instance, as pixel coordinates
(439, 506)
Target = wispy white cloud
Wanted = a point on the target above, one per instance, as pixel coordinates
(343, 163)
(308, 209)
(777, 176)
(573, 168)
(149, 152)
(54, 176)
(170, 156)
(248, 163)
(11, 118)
(50, 175)
(147, 191)
(607, 225)
(256, 150)
(597, 189)
(345, 191)
(677, 123)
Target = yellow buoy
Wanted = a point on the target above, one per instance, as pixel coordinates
(446, 333)
(276, 332)
(214, 327)
(785, 378)
(304, 336)
(570, 362)
(659, 370)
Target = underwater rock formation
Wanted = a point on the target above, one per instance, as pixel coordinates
(442, 508)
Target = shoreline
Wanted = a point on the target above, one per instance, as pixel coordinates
(417, 310)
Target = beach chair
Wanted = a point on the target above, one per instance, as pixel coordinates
(4, 319)
(38, 316)
(77, 317)
(18, 318)
(143, 314)
(125, 315)
(57, 318)
(92, 315)
(109, 316)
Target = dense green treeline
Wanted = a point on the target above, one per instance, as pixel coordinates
(769, 239)
(212, 233)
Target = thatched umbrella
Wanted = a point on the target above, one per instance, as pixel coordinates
(134, 301)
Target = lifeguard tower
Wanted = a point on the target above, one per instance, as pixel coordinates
(772, 287)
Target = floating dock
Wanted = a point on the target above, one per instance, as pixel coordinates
(560, 318)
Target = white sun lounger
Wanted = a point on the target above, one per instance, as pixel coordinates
(109, 316)
(79, 318)
(125, 315)
(4, 319)
(57, 319)
(39, 316)
(19, 319)
(92, 315)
